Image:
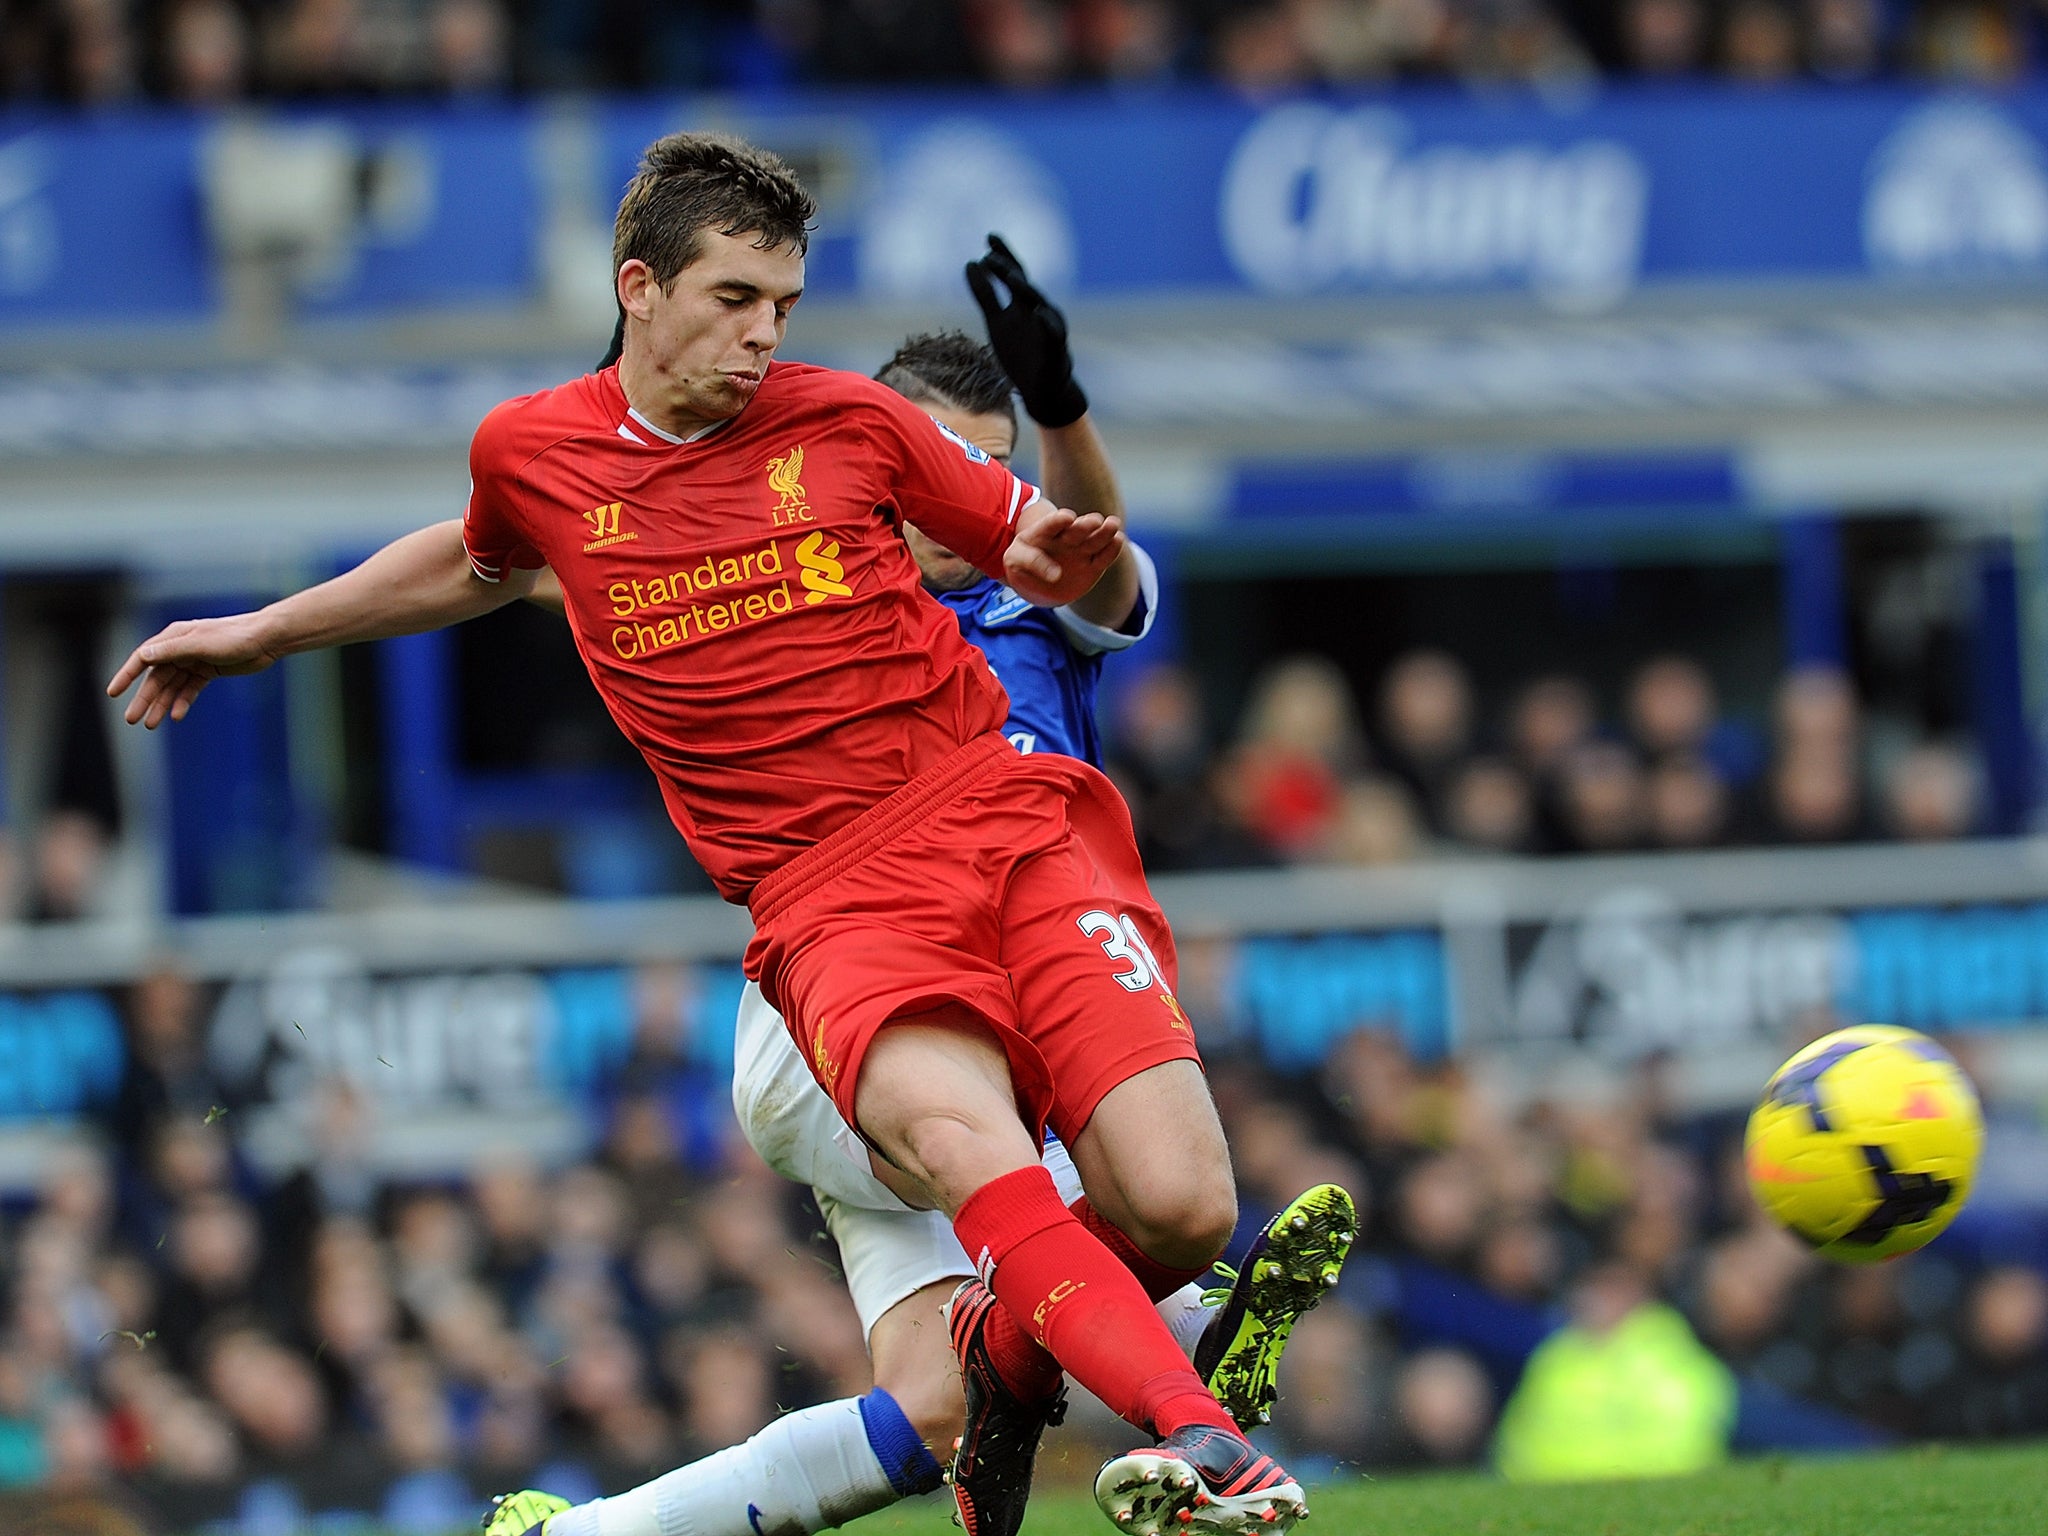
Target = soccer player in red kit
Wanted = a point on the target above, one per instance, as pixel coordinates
(960, 937)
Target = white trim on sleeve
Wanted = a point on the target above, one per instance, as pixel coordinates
(1022, 494)
(1092, 639)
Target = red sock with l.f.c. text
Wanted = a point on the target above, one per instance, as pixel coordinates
(1069, 1293)
(1160, 1280)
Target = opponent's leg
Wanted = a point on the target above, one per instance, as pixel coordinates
(915, 1365)
(809, 1471)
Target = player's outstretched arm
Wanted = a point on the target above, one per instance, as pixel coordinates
(1058, 555)
(422, 581)
(1029, 335)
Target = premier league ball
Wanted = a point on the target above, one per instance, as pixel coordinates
(1865, 1143)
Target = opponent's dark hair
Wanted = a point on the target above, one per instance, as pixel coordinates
(951, 368)
(692, 182)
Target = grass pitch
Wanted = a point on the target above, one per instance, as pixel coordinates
(1926, 1491)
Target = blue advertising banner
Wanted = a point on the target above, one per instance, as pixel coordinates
(1577, 203)
(106, 218)
(100, 219)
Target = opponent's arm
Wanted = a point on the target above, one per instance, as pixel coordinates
(419, 582)
(1076, 470)
(1029, 335)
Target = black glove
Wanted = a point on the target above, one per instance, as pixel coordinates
(1029, 335)
(618, 345)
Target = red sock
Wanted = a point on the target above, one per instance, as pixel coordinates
(1160, 1280)
(1070, 1293)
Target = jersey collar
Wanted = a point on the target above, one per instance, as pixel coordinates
(636, 428)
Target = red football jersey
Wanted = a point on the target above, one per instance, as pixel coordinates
(743, 601)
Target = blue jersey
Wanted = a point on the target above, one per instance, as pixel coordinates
(1049, 659)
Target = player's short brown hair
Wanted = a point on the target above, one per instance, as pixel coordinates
(691, 182)
(952, 369)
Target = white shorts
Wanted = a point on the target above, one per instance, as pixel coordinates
(889, 1250)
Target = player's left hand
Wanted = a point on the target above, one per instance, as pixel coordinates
(1029, 335)
(1058, 555)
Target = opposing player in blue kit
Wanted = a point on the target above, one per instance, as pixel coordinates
(819, 1467)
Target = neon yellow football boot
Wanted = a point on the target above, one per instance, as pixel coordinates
(513, 1514)
(1290, 1266)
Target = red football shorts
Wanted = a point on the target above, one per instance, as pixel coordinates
(1007, 883)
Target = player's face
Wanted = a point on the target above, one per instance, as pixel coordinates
(995, 435)
(696, 352)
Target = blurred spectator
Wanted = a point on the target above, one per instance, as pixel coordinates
(1687, 803)
(1625, 1391)
(102, 63)
(1816, 711)
(273, 1398)
(1259, 49)
(1671, 707)
(1159, 758)
(1299, 740)
(1442, 1204)
(214, 1255)
(1663, 37)
(1022, 43)
(2001, 1384)
(1521, 1259)
(1519, 40)
(1931, 795)
(1549, 718)
(1814, 797)
(1965, 41)
(69, 860)
(1444, 1405)
(1844, 39)
(469, 45)
(168, 1073)
(1489, 808)
(319, 48)
(1759, 42)
(1425, 721)
(205, 52)
(1376, 823)
(727, 1386)
(1125, 39)
(1602, 799)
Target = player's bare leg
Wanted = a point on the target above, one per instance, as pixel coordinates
(1154, 1162)
(915, 1364)
(935, 1097)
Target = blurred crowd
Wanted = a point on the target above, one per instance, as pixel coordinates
(100, 52)
(1305, 777)
(229, 1346)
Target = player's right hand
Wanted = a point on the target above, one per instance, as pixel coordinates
(176, 662)
(1058, 555)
